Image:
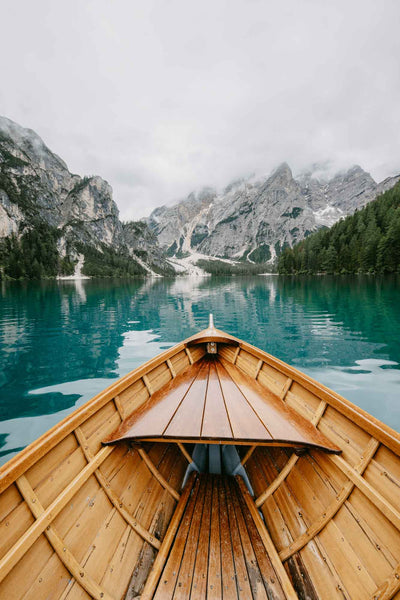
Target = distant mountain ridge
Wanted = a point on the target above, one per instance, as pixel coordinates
(52, 221)
(254, 219)
(36, 187)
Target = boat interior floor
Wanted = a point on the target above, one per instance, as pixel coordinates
(218, 550)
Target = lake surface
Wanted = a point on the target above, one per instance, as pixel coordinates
(62, 342)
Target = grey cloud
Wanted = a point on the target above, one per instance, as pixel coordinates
(162, 97)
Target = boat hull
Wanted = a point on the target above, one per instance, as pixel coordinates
(79, 519)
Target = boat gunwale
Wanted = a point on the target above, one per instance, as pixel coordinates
(18, 464)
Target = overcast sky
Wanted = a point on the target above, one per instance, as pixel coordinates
(162, 97)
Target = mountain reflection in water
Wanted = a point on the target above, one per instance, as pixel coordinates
(62, 342)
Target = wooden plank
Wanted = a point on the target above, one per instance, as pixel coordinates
(214, 580)
(280, 420)
(81, 536)
(330, 510)
(155, 573)
(244, 421)
(157, 474)
(153, 494)
(27, 571)
(134, 474)
(159, 377)
(108, 539)
(152, 418)
(59, 478)
(371, 556)
(344, 560)
(247, 363)
(302, 582)
(14, 526)
(133, 397)
(253, 570)
(50, 582)
(184, 579)
(51, 461)
(215, 419)
(96, 421)
(187, 420)
(116, 501)
(265, 568)
(268, 543)
(45, 519)
(67, 558)
(380, 502)
(379, 530)
(302, 400)
(383, 473)
(229, 589)
(343, 557)
(242, 577)
(71, 513)
(9, 500)
(180, 362)
(199, 583)
(123, 561)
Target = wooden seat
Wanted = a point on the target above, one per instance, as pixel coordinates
(218, 552)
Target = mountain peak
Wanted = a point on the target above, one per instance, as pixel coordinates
(30, 143)
(283, 170)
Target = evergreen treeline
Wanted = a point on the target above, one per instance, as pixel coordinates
(220, 267)
(34, 255)
(109, 262)
(366, 242)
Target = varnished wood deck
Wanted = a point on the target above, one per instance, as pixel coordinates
(213, 400)
(217, 551)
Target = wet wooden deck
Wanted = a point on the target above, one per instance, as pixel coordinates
(218, 551)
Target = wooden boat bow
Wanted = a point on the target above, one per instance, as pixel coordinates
(156, 487)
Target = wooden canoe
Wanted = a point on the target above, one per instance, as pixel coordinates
(215, 470)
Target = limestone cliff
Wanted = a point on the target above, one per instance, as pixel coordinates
(36, 186)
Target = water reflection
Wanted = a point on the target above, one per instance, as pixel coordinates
(62, 342)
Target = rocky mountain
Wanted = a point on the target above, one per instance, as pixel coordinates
(37, 187)
(253, 219)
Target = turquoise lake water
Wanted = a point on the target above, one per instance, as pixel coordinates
(62, 342)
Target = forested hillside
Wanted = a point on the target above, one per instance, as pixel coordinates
(366, 242)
